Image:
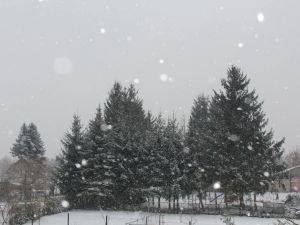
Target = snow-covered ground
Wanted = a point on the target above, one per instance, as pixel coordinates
(82, 217)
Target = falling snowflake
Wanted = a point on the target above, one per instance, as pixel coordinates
(250, 147)
(102, 31)
(105, 127)
(186, 150)
(266, 174)
(217, 185)
(63, 65)
(136, 81)
(78, 166)
(260, 17)
(65, 204)
(161, 61)
(129, 38)
(234, 138)
(84, 162)
(164, 77)
(240, 45)
(295, 188)
(189, 165)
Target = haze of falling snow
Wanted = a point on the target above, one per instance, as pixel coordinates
(60, 58)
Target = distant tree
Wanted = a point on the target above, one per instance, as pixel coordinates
(69, 174)
(27, 173)
(29, 144)
(245, 155)
(292, 158)
(5, 163)
(28, 170)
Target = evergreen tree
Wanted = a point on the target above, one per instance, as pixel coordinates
(243, 151)
(124, 112)
(155, 160)
(69, 174)
(29, 169)
(98, 164)
(29, 144)
(197, 140)
(174, 162)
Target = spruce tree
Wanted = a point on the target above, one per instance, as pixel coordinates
(174, 164)
(29, 169)
(243, 150)
(197, 140)
(155, 160)
(98, 164)
(29, 144)
(124, 112)
(69, 175)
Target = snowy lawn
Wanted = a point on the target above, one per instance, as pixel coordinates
(82, 217)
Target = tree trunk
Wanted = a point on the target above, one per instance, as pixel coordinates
(242, 204)
(254, 199)
(174, 203)
(153, 203)
(201, 200)
(216, 200)
(177, 205)
(225, 200)
(169, 202)
(159, 203)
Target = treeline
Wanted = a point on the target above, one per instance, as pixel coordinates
(126, 154)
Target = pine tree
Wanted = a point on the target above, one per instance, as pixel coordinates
(197, 140)
(69, 174)
(29, 144)
(244, 152)
(174, 164)
(98, 164)
(124, 112)
(29, 169)
(155, 159)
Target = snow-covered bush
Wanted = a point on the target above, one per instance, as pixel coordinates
(292, 206)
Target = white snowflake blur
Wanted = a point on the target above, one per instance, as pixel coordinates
(78, 166)
(63, 65)
(84, 162)
(266, 174)
(241, 45)
(102, 31)
(260, 17)
(164, 77)
(217, 185)
(65, 204)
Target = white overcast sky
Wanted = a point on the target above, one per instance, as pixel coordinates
(59, 57)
